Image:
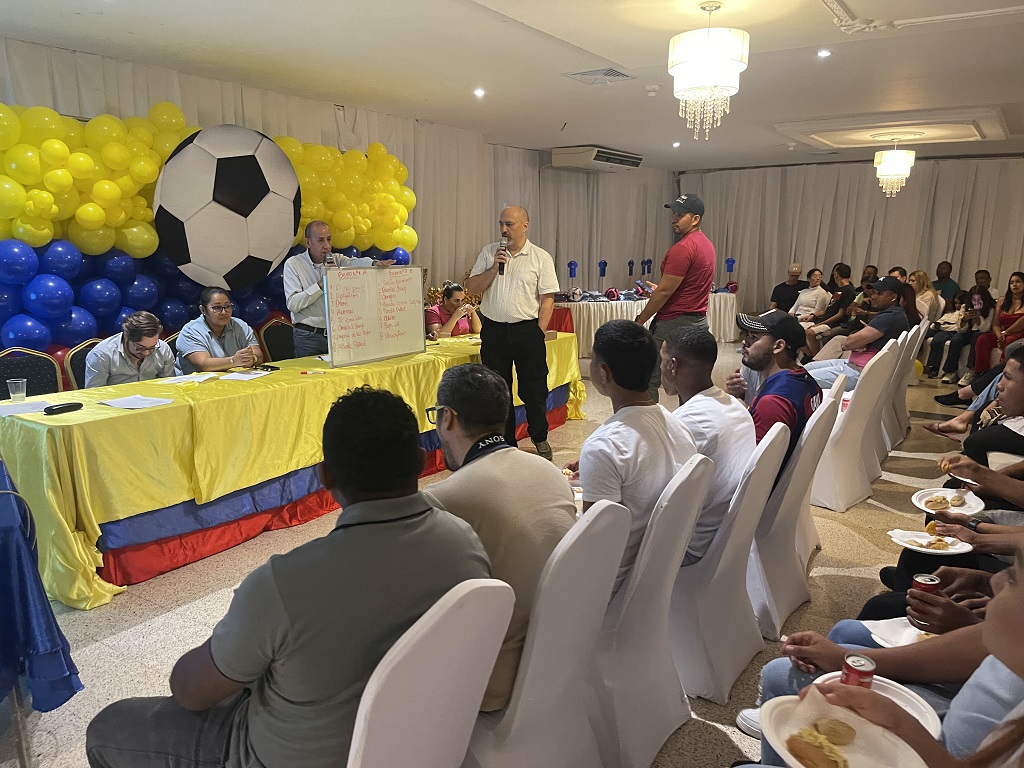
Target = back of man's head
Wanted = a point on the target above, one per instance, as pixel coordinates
(371, 444)
(693, 347)
(894, 271)
(478, 395)
(629, 351)
(843, 271)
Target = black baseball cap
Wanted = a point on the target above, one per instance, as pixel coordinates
(888, 284)
(687, 204)
(781, 325)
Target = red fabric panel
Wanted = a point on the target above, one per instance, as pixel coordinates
(556, 418)
(561, 320)
(435, 463)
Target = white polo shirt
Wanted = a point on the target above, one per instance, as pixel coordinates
(304, 298)
(515, 296)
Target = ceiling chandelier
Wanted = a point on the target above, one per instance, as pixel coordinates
(705, 65)
(892, 166)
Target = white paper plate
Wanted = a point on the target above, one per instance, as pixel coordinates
(972, 506)
(893, 633)
(874, 746)
(577, 493)
(903, 538)
(906, 698)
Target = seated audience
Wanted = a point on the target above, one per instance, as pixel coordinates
(452, 314)
(983, 280)
(833, 284)
(519, 504)
(978, 313)
(279, 681)
(1007, 325)
(908, 300)
(929, 303)
(952, 323)
(869, 275)
(721, 426)
(784, 294)
(810, 300)
(944, 284)
(788, 394)
(216, 341)
(636, 452)
(135, 354)
(889, 322)
(900, 273)
(834, 313)
(860, 311)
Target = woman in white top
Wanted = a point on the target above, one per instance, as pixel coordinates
(811, 300)
(929, 303)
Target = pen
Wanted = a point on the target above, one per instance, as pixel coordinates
(311, 372)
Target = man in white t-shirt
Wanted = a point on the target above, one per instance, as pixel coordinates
(632, 456)
(721, 425)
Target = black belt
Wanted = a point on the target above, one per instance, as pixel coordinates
(693, 314)
(312, 329)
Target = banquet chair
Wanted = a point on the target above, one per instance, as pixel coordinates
(776, 576)
(897, 422)
(637, 701)
(421, 702)
(74, 362)
(545, 722)
(172, 342)
(848, 464)
(277, 340)
(712, 628)
(41, 371)
(888, 436)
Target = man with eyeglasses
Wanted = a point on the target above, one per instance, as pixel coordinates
(135, 354)
(216, 341)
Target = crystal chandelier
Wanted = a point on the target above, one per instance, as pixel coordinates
(705, 65)
(892, 166)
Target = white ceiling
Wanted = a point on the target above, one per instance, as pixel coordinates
(423, 58)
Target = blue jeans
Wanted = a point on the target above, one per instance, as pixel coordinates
(825, 372)
(988, 394)
(957, 342)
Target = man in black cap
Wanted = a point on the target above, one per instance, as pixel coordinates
(788, 395)
(687, 272)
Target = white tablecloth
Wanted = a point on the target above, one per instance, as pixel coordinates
(588, 316)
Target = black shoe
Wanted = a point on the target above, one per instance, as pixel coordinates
(742, 762)
(888, 576)
(933, 373)
(951, 400)
(544, 450)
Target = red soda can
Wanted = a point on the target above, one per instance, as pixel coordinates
(857, 670)
(925, 582)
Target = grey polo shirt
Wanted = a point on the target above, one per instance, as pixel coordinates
(306, 630)
(108, 363)
(196, 336)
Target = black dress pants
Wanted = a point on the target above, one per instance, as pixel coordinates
(521, 344)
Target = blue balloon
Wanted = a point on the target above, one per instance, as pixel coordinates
(117, 266)
(60, 258)
(173, 314)
(295, 250)
(25, 331)
(373, 252)
(273, 284)
(18, 262)
(241, 294)
(352, 252)
(101, 297)
(48, 297)
(90, 268)
(10, 302)
(160, 265)
(400, 255)
(255, 310)
(143, 293)
(185, 289)
(74, 328)
(112, 323)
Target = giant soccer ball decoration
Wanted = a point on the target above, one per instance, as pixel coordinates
(226, 206)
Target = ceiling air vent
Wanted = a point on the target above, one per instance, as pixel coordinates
(594, 159)
(600, 76)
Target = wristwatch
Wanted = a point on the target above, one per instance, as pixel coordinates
(973, 524)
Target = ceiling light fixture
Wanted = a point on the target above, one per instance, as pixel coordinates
(479, 93)
(705, 65)
(824, 53)
(892, 166)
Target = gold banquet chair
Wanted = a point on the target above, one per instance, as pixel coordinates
(74, 362)
(277, 340)
(41, 371)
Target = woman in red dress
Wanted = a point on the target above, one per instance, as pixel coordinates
(1007, 325)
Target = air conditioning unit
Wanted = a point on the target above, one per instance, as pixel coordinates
(594, 159)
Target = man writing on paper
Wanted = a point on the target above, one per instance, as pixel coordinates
(518, 283)
(304, 287)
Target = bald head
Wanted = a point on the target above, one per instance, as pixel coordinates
(513, 222)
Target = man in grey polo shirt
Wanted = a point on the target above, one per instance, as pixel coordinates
(135, 354)
(216, 341)
(279, 681)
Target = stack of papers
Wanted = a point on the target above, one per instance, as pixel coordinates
(244, 375)
(17, 408)
(193, 377)
(135, 402)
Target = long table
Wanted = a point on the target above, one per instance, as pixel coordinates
(82, 469)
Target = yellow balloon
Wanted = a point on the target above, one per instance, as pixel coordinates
(58, 180)
(10, 127)
(81, 165)
(138, 240)
(39, 124)
(140, 134)
(341, 221)
(361, 226)
(317, 157)
(103, 129)
(344, 238)
(291, 147)
(309, 181)
(58, 229)
(372, 187)
(55, 152)
(385, 239)
(140, 122)
(144, 170)
(164, 143)
(392, 187)
(364, 210)
(144, 214)
(32, 230)
(90, 216)
(409, 238)
(312, 208)
(40, 204)
(115, 155)
(129, 186)
(354, 160)
(100, 172)
(407, 198)
(23, 164)
(116, 216)
(136, 148)
(92, 242)
(401, 173)
(106, 194)
(352, 185)
(167, 116)
(403, 214)
(74, 135)
(363, 241)
(336, 201)
(12, 198)
(376, 152)
(67, 203)
(5, 229)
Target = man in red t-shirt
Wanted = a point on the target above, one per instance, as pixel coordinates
(687, 271)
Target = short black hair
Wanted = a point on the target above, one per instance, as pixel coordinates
(982, 272)
(371, 442)
(871, 266)
(843, 270)
(811, 271)
(1017, 356)
(898, 270)
(629, 351)
(478, 395)
(694, 344)
(209, 292)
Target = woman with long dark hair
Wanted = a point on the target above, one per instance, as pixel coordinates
(1007, 325)
(978, 314)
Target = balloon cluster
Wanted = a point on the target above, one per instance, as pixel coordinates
(362, 197)
(92, 183)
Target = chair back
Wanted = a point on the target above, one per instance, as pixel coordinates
(835, 392)
(864, 405)
(74, 362)
(172, 342)
(421, 702)
(277, 340)
(41, 371)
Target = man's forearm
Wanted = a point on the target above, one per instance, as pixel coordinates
(655, 303)
(477, 284)
(547, 307)
(949, 658)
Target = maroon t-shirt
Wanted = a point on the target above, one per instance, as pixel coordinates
(693, 259)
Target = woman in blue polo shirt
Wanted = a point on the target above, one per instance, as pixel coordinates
(216, 341)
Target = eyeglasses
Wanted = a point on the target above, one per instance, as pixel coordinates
(142, 349)
(219, 307)
(433, 410)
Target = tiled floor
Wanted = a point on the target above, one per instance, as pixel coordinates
(127, 648)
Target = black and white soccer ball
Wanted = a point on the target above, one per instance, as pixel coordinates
(226, 206)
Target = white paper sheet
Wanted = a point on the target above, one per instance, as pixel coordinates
(18, 408)
(135, 402)
(194, 377)
(244, 375)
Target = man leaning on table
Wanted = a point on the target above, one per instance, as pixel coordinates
(135, 354)
(304, 287)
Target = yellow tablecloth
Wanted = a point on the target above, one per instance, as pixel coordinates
(94, 465)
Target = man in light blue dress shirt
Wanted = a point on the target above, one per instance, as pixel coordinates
(216, 341)
(135, 354)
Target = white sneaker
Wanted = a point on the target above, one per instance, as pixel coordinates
(749, 721)
(967, 378)
(949, 378)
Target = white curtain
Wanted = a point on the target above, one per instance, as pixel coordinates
(969, 212)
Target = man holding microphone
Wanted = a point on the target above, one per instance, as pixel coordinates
(518, 284)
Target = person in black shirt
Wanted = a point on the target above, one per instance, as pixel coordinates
(784, 294)
(835, 312)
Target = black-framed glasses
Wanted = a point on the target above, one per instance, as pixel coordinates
(142, 349)
(219, 307)
(433, 410)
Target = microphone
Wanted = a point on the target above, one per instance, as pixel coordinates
(502, 244)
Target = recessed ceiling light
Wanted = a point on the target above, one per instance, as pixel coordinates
(675, 145)
(824, 53)
(479, 93)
